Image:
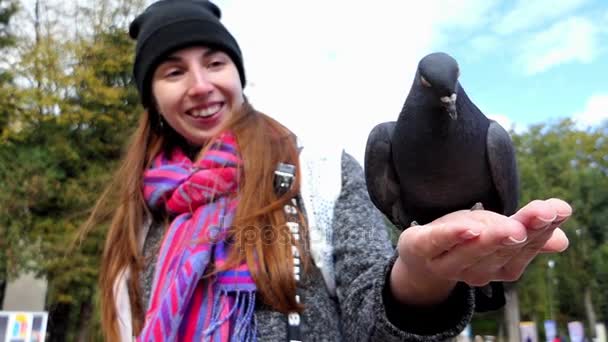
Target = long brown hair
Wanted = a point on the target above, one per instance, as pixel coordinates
(258, 233)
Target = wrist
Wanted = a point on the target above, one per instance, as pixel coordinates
(418, 287)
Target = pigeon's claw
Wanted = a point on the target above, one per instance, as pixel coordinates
(487, 290)
(414, 223)
(477, 206)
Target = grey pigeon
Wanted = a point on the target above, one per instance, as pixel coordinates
(441, 155)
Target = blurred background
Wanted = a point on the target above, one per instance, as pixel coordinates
(329, 70)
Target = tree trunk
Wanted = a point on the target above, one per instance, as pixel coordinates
(4, 272)
(512, 312)
(2, 289)
(58, 324)
(501, 332)
(84, 320)
(37, 21)
(591, 318)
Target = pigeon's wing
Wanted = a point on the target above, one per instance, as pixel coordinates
(380, 177)
(501, 157)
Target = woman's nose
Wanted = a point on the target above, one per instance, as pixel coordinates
(200, 83)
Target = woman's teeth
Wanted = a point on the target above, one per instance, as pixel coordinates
(206, 112)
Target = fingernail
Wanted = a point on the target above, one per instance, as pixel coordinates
(541, 223)
(469, 234)
(559, 220)
(511, 241)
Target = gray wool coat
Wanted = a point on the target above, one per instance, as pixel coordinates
(355, 304)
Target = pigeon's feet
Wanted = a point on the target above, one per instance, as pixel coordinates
(487, 290)
(414, 223)
(477, 206)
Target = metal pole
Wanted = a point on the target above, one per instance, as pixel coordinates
(551, 264)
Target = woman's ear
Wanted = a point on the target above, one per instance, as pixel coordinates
(155, 117)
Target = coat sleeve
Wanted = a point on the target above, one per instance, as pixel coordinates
(363, 259)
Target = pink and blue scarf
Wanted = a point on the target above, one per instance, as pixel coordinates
(201, 199)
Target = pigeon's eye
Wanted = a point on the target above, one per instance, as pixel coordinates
(425, 82)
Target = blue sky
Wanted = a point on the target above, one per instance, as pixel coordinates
(333, 69)
(533, 63)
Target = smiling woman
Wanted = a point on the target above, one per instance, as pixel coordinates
(224, 228)
(196, 90)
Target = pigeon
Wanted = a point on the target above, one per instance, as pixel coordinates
(441, 155)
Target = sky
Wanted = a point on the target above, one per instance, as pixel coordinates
(332, 70)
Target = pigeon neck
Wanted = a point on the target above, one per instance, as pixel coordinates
(427, 115)
(433, 110)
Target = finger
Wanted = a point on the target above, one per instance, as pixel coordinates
(540, 215)
(516, 266)
(557, 243)
(536, 215)
(497, 244)
(509, 262)
(491, 264)
(430, 241)
(472, 265)
(562, 209)
(496, 230)
(464, 226)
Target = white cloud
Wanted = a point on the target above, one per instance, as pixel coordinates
(468, 14)
(595, 111)
(507, 123)
(571, 40)
(455, 19)
(527, 14)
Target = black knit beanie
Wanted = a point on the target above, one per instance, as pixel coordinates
(169, 25)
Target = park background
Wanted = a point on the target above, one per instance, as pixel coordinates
(330, 70)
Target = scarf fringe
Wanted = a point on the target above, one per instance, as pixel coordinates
(241, 314)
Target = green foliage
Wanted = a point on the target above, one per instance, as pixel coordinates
(487, 323)
(7, 9)
(562, 160)
(7, 41)
(8, 101)
(61, 138)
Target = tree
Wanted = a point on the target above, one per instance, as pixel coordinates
(75, 113)
(7, 108)
(562, 160)
(7, 42)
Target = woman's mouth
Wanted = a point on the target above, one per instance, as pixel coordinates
(206, 112)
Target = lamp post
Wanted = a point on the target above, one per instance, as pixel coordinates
(551, 264)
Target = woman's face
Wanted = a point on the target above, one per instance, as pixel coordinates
(197, 90)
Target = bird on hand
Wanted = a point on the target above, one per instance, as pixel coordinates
(440, 156)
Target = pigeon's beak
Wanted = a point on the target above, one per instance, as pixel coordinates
(449, 103)
(451, 108)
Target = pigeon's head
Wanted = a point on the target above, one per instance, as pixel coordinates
(439, 72)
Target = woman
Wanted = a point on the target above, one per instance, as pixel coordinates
(204, 245)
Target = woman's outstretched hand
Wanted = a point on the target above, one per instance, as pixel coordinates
(475, 247)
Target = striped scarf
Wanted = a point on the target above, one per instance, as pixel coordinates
(201, 199)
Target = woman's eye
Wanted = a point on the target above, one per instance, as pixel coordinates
(173, 73)
(216, 64)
